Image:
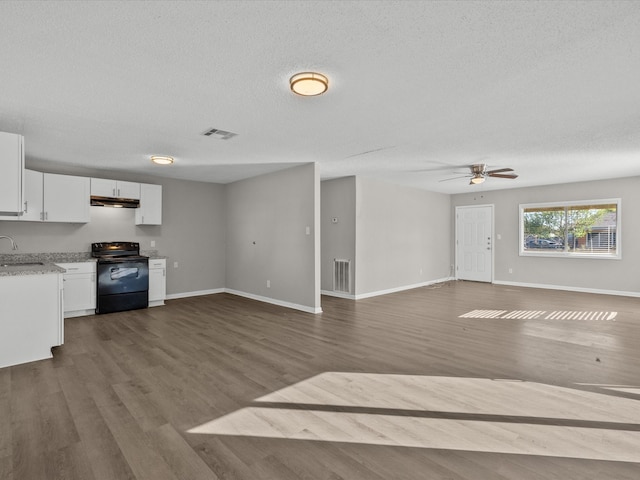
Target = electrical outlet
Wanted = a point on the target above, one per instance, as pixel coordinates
(511, 270)
(175, 264)
(153, 243)
(268, 283)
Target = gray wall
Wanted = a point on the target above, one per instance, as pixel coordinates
(605, 275)
(192, 231)
(338, 200)
(267, 217)
(403, 236)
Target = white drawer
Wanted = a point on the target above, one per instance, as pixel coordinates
(157, 263)
(78, 267)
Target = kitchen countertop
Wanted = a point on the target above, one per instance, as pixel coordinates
(38, 263)
(44, 268)
(42, 263)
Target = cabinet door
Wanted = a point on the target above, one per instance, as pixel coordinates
(128, 190)
(32, 196)
(79, 292)
(157, 280)
(101, 187)
(66, 198)
(150, 211)
(79, 287)
(11, 173)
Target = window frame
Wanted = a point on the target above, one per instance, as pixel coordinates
(566, 205)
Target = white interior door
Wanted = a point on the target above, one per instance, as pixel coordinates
(474, 243)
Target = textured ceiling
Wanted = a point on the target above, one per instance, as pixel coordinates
(417, 89)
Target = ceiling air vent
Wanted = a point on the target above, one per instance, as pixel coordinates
(219, 134)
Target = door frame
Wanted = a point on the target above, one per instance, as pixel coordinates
(493, 237)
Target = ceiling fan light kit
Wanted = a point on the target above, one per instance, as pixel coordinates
(479, 174)
(161, 159)
(309, 84)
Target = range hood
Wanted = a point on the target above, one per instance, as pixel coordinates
(114, 202)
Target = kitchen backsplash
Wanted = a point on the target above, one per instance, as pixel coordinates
(62, 257)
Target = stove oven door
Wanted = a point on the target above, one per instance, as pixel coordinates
(122, 285)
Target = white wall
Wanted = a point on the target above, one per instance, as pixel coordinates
(598, 275)
(403, 237)
(338, 200)
(267, 218)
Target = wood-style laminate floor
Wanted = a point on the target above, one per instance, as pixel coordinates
(464, 381)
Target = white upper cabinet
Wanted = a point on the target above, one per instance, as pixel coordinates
(66, 198)
(101, 187)
(54, 198)
(11, 174)
(33, 196)
(150, 211)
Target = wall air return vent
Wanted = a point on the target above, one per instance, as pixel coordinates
(219, 134)
(341, 275)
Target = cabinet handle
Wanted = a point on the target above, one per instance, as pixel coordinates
(118, 192)
(26, 206)
(74, 268)
(46, 215)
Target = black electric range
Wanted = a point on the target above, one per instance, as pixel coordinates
(123, 276)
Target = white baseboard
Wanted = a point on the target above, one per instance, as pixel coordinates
(79, 313)
(194, 294)
(385, 292)
(259, 298)
(274, 301)
(331, 293)
(568, 289)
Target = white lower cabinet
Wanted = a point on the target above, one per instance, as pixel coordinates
(30, 317)
(157, 281)
(79, 293)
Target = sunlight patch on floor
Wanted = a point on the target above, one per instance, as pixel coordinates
(471, 414)
(542, 314)
(616, 388)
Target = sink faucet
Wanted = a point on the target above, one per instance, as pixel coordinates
(14, 245)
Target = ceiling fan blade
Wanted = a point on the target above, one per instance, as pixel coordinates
(454, 178)
(502, 175)
(499, 170)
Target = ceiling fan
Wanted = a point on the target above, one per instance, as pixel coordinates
(479, 174)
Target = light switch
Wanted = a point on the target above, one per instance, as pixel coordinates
(307, 230)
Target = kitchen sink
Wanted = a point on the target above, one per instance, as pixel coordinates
(21, 264)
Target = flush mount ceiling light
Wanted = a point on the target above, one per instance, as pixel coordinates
(309, 84)
(161, 160)
(476, 179)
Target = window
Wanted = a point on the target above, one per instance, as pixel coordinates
(578, 229)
